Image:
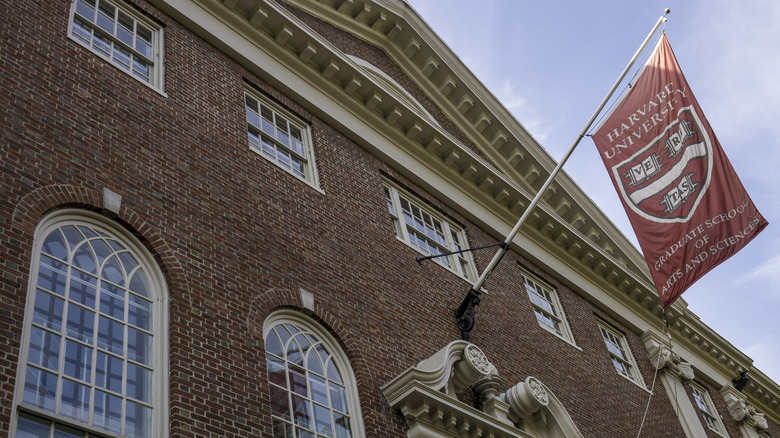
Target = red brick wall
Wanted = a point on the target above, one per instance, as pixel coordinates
(237, 237)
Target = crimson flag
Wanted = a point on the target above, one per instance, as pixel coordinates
(686, 204)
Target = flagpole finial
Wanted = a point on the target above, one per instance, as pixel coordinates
(667, 11)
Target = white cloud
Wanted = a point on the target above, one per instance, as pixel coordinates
(767, 271)
(517, 104)
(765, 354)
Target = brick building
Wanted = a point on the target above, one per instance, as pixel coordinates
(210, 215)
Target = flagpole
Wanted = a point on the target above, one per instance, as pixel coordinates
(465, 312)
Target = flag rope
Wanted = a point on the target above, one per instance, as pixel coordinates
(668, 333)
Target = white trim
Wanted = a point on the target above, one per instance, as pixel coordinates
(160, 370)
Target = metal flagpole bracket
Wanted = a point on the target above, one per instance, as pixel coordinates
(465, 312)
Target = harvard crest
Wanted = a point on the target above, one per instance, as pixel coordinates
(665, 181)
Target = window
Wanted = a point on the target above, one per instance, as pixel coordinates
(548, 310)
(93, 350)
(120, 35)
(621, 355)
(277, 137)
(419, 226)
(311, 383)
(704, 402)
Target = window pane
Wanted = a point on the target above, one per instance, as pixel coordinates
(322, 420)
(139, 383)
(86, 9)
(111, 335)
(40, 388)
(84, 259)
(108, 412)
(280, 403)
(276, 370)
(138, 422)
(51, 275)
(139, 313)
(112, 301)
(48, 310)
(140, 284)
(82, 288)
(75, 400)
(44, 349)
(78, 361)
(81, 324)
(32, 427)
(108, 372)
(139, 346)
(54, 245)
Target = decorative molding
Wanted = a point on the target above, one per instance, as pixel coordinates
(743, 413)
(426, 395)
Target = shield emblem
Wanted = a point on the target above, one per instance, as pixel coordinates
(665, 181)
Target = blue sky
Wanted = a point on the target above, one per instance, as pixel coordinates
(551, 64)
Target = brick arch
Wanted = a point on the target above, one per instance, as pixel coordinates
(266, 302)
(34, 205)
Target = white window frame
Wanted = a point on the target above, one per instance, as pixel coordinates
(278, 146)
(149, 52)
(620, 353)
(307, 325)
(546, 306)
(707, 408)
(454, 236)
(159, 331)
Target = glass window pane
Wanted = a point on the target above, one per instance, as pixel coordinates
(342, 426)
(44, 349)
(81, 31)
(138, 421)
(82, 288)
(111, 335)
(112, 301)
(280, 403)
(81, 324)
(302, 412)
(338, 397)
(139, 383)
(108, 372)
(86, 9)
(139, 346)
(54, 245)
(140, 284)
(276, 370)
(319, 389)
(74, 402)
(139, 312)
(298, 380)
(40, 388)
(322, 420)
(48, 310)
(108, 412)
(78, 361)
(84, 259)
(61, 431)
(51, 275)
(112, 271)
(32, 427)
(281, 429)
(272, 344)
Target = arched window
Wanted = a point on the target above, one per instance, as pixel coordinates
(94, 347)
(311, 384)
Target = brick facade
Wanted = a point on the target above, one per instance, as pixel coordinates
(236, 237)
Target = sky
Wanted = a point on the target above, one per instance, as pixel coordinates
(551, 63)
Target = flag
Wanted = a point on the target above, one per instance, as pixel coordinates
(686, 204)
